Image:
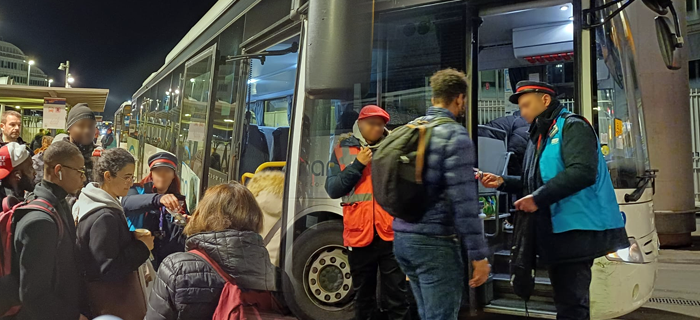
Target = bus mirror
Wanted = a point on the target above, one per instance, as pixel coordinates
(668, 43)
(338, 48)
(658, 6)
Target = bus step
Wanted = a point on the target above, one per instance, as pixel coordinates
(516, 307)
(501, 286)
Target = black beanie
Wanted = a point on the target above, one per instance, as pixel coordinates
(79, 112)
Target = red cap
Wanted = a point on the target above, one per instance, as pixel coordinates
(373, 111)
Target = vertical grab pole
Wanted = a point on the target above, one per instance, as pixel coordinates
(474, 124)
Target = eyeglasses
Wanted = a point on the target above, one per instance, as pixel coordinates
(127, 179)
(82, 170)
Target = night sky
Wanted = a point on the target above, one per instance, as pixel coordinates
(110, 44)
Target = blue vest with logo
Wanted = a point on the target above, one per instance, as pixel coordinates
(594, 208)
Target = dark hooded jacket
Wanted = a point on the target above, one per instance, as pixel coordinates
(580, 155)
(108, 250)
(187, 287)
(46, 266)
(516, 128)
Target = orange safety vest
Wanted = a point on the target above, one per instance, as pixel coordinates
(361, 214)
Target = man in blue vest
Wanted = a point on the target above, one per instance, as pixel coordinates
(569, 193)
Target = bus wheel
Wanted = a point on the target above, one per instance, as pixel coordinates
(320, 284)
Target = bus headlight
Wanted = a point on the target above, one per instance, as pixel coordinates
(632, 254)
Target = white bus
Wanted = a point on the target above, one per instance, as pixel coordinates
(269, 84)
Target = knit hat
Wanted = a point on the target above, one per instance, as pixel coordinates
(11, 156)
(79, 112)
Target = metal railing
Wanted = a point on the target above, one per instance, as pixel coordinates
(695, 136)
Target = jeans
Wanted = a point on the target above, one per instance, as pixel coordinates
(436, 272)
(571, 283)
(364, 263)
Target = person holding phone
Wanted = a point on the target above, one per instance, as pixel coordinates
(151, 205)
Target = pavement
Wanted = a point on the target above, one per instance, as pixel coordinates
(677, 289)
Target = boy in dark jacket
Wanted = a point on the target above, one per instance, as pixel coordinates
(430, 250)
(44, 263)
(80, 125)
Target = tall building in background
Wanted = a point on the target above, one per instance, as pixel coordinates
(13, 64)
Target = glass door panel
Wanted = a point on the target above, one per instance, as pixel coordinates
(191, 142)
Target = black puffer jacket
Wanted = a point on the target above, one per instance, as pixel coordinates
(187, 287)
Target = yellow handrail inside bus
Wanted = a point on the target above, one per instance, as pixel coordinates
(272, 164)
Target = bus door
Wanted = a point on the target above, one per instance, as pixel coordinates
(193, 139)
(266, 99)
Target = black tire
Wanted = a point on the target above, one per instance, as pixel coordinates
(322, 240)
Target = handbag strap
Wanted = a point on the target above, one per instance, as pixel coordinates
(270, 234)
(214, 265)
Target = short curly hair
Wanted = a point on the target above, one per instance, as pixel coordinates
(112, 161)
(448, 84)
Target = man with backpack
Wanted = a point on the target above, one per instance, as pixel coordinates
(367, 232)
(16, 171)
(570, 208)
(44, 237)
(433, 235)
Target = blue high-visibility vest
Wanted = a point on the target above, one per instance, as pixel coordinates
(594, 208)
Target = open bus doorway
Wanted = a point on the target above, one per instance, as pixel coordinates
(268, 108)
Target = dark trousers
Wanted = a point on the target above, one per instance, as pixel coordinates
(436, 272)
(364, 264)
(571, 283)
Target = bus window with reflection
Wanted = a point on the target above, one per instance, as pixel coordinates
(617, 102)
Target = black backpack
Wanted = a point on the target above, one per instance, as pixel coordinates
(397, 169)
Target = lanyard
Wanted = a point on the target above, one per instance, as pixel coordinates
(539, 140)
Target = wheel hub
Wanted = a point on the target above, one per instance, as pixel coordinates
(328, 276)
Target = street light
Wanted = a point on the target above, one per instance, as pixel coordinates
(66, 67)
(30, 63)
(70, 80)
(50, 82)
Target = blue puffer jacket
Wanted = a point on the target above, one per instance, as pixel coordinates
(449, 178)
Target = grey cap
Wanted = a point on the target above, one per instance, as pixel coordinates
(79, 112)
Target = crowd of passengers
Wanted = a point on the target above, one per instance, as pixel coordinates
(87, 241)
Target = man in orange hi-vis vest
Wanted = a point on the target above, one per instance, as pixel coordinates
(368, 233)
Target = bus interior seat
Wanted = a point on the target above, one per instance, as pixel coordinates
(281, 139)
(493, 158)
(267, 131)
(256, 150)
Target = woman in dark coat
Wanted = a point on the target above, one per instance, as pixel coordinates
(225, 228)
(149, 204)
(109, 252)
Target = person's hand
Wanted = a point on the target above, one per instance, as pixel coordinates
(482, 269)
(489, 180)
(146, 237)
(170, 202)
(526, 204)
(82, 317)
(365, 156)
